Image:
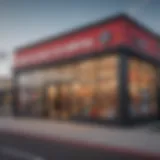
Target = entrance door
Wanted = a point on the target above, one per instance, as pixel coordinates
(66, 100)
(51, 92)
(57, 101)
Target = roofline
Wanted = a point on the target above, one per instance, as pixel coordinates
(142, 26)
(91, 25)
(70, 32)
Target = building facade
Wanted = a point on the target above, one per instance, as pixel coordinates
(5, 96)
(104, 72)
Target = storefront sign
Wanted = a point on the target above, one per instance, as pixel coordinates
(87, 41)
(91, 40)
(45, 55)
(105, 37)
(143, 42)
(140, 43)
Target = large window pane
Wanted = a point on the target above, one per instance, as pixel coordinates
(86, 70)
(107, 83)
(95, 88)
(87, 88)
(142, 86)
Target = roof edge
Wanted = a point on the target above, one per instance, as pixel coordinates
(73, 30)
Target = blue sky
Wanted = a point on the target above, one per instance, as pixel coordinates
(25, 21)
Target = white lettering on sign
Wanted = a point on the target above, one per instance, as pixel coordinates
(45, 55)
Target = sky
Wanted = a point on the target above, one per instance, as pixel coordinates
(26, 21)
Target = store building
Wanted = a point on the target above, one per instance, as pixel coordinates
(104, 72)
(5, 95)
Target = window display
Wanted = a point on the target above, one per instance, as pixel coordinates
(142, 86)
(86, 70)
(87, 93)
(87, 88)
(107, 86)
(66, 100)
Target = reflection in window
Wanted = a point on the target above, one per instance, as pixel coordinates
(142, 85)
(88, 88)
(86, 70)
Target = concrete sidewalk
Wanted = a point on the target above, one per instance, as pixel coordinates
(6, 111)
(134, 139)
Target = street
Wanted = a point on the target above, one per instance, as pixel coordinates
(15, 147)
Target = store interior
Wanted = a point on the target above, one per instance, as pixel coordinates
(143, 84)
(89, 89)
(86, 89)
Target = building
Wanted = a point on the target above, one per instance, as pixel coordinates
(5, 96)
(104, 72)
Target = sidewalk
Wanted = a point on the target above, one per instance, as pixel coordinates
(134, 139)
(6, 111)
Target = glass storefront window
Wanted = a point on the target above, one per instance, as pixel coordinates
(107, 85)
(86, 71)
(93, 90)
(66, 100)
(75, 93)
(142, 86)
(107, 66)
(107, 99)
(87, 88)
(68, 72)
(82, 98)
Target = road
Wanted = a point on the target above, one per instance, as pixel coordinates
(16, 147)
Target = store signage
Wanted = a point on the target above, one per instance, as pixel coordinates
(143, 42)
(105, 37)
(88, 41)
(140, 43)
(70, 47)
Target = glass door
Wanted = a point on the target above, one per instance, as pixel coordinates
(58, 101)
(49, 102)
